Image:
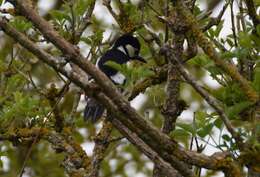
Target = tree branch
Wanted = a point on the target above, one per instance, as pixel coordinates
(101, 145)
(85, 21)
(217, 20)
(159, 77)
(76, 161)
(252, 12)
(171, 108)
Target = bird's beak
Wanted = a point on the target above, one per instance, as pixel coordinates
(139, 58)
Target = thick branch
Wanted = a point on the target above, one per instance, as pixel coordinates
(101, 145)
(171, 108)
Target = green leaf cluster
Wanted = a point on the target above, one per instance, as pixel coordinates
(133, 74)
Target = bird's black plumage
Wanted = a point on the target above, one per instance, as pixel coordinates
(125, 48)
(93, 110)
(112, 55)
(125, 40)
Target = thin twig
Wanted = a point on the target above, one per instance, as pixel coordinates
(86, 21)
(153, 9)
(73, 23)
(252, 12)
(215, 21)
(233, 22)
(241, 15)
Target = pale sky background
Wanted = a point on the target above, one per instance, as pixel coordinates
(102, 13)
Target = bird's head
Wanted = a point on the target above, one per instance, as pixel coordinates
(129, 45)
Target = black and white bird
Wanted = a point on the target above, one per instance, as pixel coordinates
(125, 49)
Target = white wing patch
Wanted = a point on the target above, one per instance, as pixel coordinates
(121, 48)
(118, 78)
(131, 50)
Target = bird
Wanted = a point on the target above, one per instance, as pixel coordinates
(125, 49)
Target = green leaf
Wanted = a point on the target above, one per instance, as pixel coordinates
(245, 40)
(132, 73)
(116, 66)
(200, 60)
(15, 82)
(96, 38)
(241, 52)
(230, 42)
(256, 81)
(21, 24)
(219, 28)
(86, 40)
(257, 129)
(60, 15)
(218, 123)
(226, 137)
(258, 29)
(81, 5)
(230, 95)
(23, 106)
(205, 130)
(228, 55)
(211, 32)
(187, 127)
(234, 110)
(179, 133)
(200, 118)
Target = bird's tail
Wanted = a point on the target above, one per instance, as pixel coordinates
(93, 110)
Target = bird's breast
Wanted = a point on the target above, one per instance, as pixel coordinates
(118, 78)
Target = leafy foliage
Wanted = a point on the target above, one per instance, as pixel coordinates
(133, 73)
